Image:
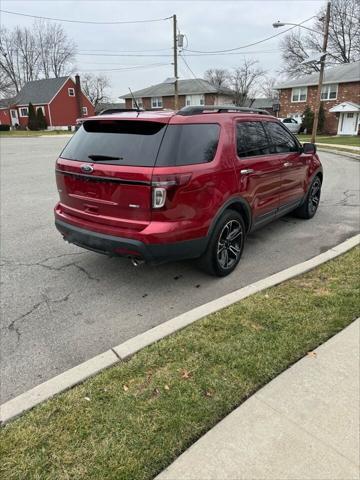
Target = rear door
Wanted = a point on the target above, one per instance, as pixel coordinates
(258, 171)
(104, 173)
(293, 164)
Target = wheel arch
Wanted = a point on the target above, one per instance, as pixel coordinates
(238, 204)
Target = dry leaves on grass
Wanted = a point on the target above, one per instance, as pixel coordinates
(185, 374)
(312, 354)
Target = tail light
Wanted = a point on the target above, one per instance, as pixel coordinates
(163, 183)
(158, 197)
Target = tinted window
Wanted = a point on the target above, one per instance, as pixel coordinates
(130, 142)
(251, 139)
(189, 144)
(280, 139)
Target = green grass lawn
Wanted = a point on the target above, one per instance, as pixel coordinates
(351, 140)
(31, 133)
(134, 419)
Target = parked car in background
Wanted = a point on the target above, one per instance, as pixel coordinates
(291, 124)
(161, 186)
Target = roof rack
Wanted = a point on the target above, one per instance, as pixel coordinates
(109, 111)
(185, 111)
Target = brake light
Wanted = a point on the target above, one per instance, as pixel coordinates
(162, 183)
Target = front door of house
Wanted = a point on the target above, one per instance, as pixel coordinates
(349, 123)
(14, 117)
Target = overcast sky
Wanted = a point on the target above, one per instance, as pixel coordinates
(208, 25)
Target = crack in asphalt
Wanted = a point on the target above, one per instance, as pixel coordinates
(42, 263)
(13, 325)
(349, 196)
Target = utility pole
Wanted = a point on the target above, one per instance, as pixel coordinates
(321, 74)
(176, 102)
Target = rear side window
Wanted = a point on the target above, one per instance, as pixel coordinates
(251, 139)
(134, 143)
(281, 140)
(189, 144)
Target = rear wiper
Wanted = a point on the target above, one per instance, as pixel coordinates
(103, 157)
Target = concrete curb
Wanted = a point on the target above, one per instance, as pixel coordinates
(76, 375)
(354, 156)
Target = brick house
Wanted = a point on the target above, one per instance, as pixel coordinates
(191, 92)
(341, 85)
(60, 99)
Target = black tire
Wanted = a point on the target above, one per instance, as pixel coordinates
(225, 246)
(308, 209)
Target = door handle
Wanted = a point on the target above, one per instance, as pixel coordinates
(287, 164)
(246, 171)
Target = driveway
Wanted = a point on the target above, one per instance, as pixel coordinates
(62, 305)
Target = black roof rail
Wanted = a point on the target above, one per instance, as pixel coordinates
(185, 111)
(109, 111)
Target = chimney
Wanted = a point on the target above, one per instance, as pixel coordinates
(78, 94)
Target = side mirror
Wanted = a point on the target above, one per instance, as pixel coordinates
(309, 148)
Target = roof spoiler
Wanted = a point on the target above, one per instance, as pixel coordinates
(185, 111)
(109, 111)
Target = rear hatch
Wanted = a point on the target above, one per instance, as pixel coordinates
(104, 173)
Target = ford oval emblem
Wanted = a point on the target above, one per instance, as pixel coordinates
(87, 168)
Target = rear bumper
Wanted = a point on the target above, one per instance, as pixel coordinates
(126, 247)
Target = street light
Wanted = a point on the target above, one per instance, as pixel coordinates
(322, 65)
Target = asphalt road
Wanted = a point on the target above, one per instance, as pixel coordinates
(62, 305)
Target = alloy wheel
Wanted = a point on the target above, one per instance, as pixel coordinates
(314, 196)
(229, 244)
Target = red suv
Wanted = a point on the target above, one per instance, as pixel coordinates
(161, 186)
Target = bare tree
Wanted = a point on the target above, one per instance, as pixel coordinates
(268, 87)
(18, 57)
(343, 43)
(294, 52)
(28, 54)
(6, 86)
(219, 77)
(95, 88)
(57, 52)
(245, 81)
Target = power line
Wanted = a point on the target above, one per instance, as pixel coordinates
(135, 67)
(127, 51)
(192, 73)
(249, 44)
(169, 55)
(84, 21)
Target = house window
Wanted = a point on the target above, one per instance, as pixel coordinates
(329, 92)
(299, 94)
(139, 101)
(84, 110)
(350, 115)
(13, 113)
(40, 108)
(71, 92)
(24, 112)
(194, 100)
(156, 102)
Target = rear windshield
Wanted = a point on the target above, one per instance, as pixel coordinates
(116, 142)
(189, 144)
(139, 143)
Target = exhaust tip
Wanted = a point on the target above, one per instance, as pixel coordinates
(136, 261)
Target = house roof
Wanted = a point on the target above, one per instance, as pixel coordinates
(40, 91)
(260, 102)
(7, 102)
(345, 107)
(105, 106)
(196, 86)
(347, 72)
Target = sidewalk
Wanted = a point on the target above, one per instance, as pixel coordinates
(345, 147)
(302, 425)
